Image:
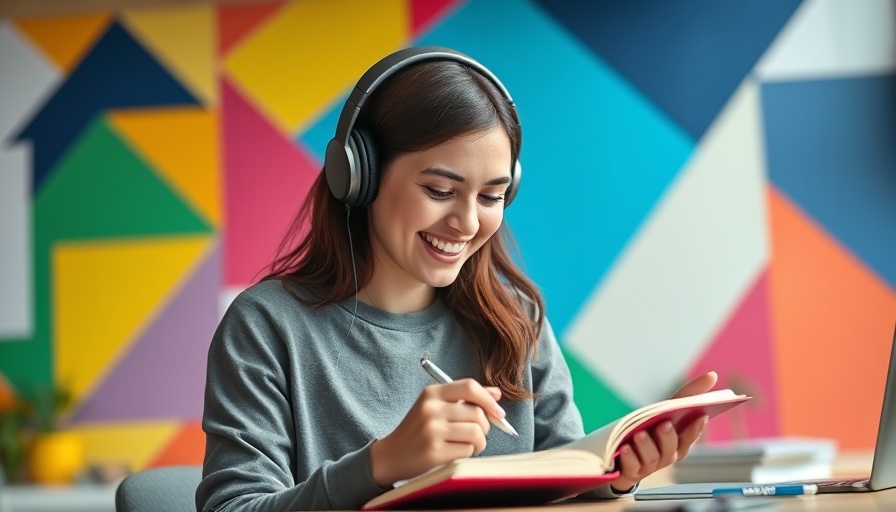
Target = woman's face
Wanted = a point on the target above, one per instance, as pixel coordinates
(437, 207)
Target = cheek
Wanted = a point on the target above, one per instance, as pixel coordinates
(489, 223)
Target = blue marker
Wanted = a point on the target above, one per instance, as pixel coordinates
(766, 490)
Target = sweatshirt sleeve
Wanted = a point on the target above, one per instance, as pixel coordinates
(557, 419)
(251, 440)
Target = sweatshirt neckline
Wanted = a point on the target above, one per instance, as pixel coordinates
(397, 321)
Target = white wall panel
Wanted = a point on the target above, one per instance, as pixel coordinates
(687, 268)
(834, 38)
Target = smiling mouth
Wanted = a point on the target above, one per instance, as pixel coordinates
(446, 247)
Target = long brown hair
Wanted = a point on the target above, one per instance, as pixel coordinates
(418, 108)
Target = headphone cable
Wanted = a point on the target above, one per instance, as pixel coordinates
(351, 250)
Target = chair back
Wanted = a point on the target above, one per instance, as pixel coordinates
(170, 488)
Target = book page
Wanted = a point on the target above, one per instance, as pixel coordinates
(597, 442)
(604, 441)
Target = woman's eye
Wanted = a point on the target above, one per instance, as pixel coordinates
(491, 199)
(437, 194)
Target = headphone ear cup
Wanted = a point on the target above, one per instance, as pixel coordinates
(368, 172)
(516, 175)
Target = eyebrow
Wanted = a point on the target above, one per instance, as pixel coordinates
(445, 173)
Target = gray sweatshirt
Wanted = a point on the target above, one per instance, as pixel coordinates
(294, 398)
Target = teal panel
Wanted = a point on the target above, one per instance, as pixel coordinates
(597, 154)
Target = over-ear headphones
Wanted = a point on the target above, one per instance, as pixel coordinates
(350, 163)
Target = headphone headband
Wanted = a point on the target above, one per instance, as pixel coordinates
(350, 174)
(390, 65)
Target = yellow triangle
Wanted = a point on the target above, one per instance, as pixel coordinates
(105, 293)
(181, 144)
(182, 38)
(283, 68)
(64, 39)
(135, 445)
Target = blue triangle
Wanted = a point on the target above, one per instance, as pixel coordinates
(116, 73)
(597, 155)
(688, 56)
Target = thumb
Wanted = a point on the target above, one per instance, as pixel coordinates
(701, 384)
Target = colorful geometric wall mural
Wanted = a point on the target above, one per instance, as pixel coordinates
(709, 185)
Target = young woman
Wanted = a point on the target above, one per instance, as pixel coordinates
(315, 397)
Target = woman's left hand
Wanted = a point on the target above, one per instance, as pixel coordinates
(656, 448)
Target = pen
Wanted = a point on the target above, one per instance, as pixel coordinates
(442, 378)
(767, 490)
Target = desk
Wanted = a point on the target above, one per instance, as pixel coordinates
(882, 501)
(74, 498)
(847, 465)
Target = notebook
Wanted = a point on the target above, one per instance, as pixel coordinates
(883, 468)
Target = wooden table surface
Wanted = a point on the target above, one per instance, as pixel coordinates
(846, 466)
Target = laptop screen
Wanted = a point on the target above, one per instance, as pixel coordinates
(883, 470)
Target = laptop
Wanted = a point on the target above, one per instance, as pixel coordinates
(883, 468)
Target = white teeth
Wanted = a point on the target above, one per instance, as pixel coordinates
(445, 246)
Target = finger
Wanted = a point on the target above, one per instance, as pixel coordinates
(666, 440)
(648, 453)
(630, 465)
(451, 451)
(495, 392)
(471, 391)
(467, 434)
(462, 412)
(701, 384)
(689, 435)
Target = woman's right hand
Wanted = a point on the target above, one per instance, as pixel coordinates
(447, 422)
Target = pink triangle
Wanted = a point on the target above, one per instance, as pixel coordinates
(266, 179)
(425, 12)
(163, 374)
(741, 354)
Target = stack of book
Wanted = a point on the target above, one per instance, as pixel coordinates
(758, 460)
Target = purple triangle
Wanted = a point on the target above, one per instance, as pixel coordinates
(163, 374)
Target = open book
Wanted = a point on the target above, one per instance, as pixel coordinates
(549, 475)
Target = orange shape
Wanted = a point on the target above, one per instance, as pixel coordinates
(237, 21)
(187, 447)
(65, 39)
(182, 146)
(833, 327)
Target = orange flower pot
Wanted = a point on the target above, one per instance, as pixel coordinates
(55, 458)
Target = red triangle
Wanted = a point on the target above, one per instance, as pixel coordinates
(741, 353)
(268, 177)
(186, 448)
(236, 22)
(425, 12)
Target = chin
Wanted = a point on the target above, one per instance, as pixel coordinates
(441, 281)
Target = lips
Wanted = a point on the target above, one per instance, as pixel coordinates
(444, 246)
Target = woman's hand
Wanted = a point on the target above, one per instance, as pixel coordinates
(447, 422)
(659, 447)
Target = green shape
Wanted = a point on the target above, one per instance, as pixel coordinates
(103, 190)
(596, 401)
(98, 190)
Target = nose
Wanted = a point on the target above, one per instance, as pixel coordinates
(464, 216)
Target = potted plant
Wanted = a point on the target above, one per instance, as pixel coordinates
(33, 443)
